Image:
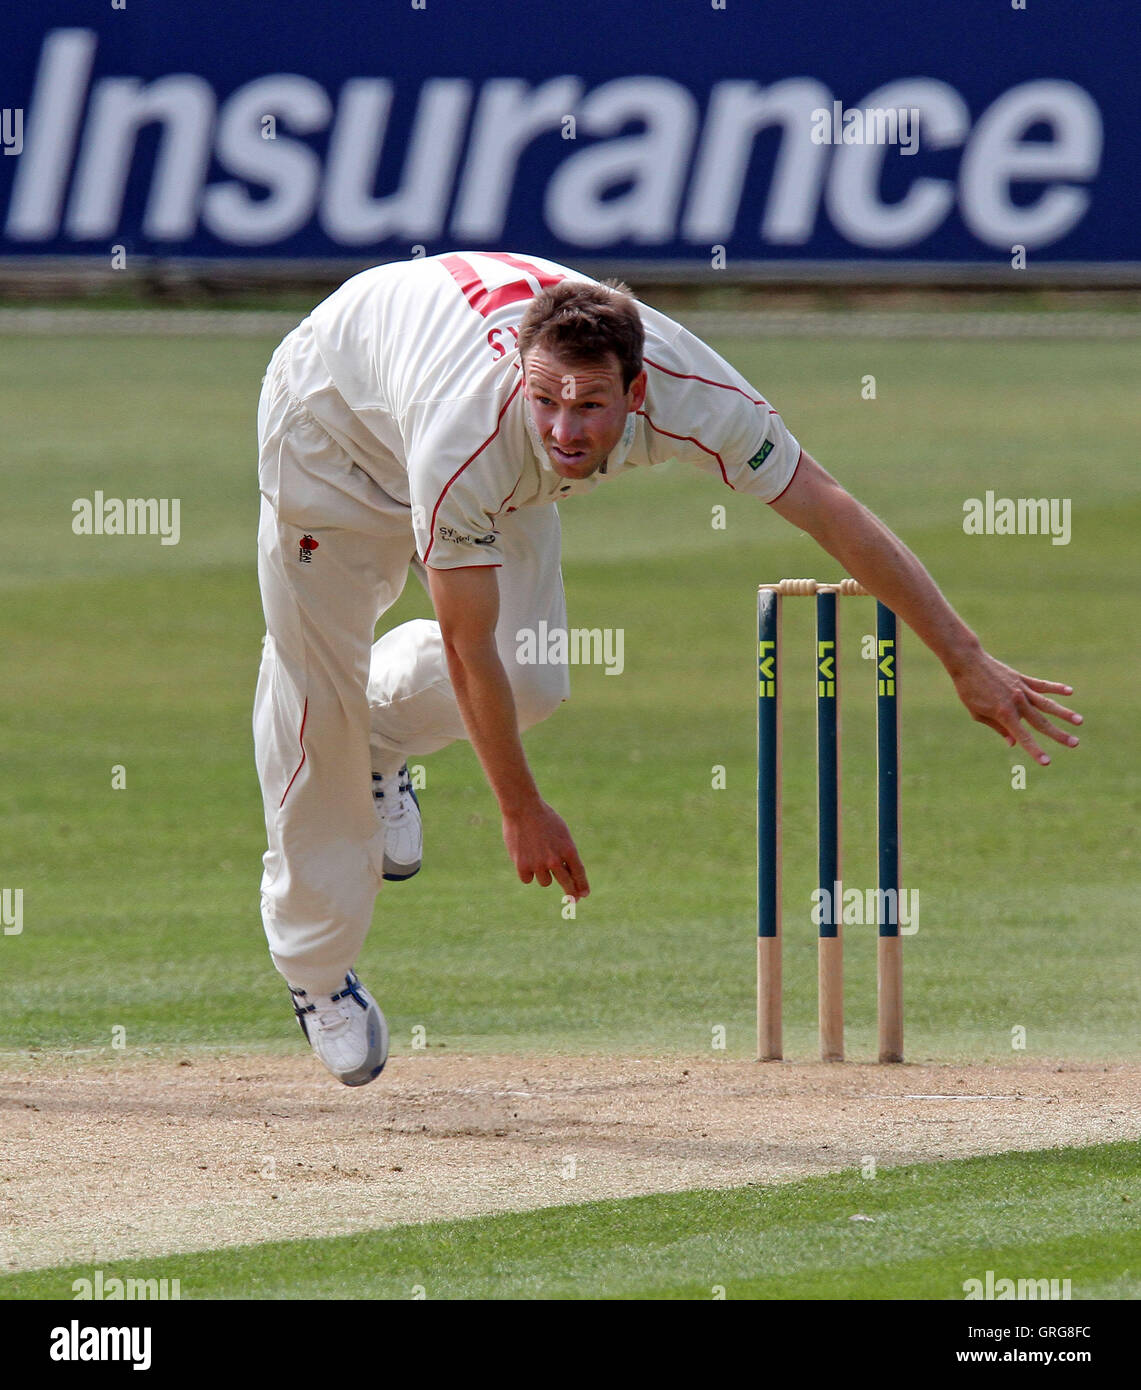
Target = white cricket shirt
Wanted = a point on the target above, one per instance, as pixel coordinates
(412, 368)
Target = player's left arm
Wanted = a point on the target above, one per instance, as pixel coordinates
(994, 694)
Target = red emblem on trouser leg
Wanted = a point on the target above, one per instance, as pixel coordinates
(305, 548)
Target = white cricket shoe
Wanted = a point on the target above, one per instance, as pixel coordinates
(346, 1030)
(399, 811)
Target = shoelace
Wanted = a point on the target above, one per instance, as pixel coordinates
(334, 1015)
(402, 804)
(327, 1017)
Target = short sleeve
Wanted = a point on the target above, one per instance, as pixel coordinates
(457, 483)
(702, 410)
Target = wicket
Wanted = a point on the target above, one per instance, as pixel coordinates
(830, 968)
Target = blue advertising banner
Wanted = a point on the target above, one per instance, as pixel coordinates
(685, 131)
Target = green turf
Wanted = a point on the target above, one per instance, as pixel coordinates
(140, 905)
(1053, 1214)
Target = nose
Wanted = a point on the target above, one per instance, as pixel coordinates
(565, 428)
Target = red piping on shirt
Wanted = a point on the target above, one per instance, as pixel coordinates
(689, 439)
(452, 568)
(511, 494)
(301, 764)
(460, 469)
(787, 485)
(721, 385)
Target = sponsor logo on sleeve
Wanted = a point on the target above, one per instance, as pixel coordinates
(762, 453)
(449, 533)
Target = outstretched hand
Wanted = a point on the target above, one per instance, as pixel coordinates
(1007, 701)
(539, 842)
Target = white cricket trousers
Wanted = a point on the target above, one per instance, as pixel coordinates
(334, 552)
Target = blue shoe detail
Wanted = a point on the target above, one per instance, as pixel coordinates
(333, 1028)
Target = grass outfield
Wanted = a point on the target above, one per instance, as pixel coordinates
(927, 1229)
(140, 905)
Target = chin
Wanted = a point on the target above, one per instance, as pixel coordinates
(576, 471)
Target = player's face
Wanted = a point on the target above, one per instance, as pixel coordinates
(580, 412)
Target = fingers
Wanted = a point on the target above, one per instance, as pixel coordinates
(1052, 707)
(1016, 706)
(1031, 712)
(1026, 739)
(1058, 735)
(569, 872)
(1039, 701)
(566, 883)
(545, 854)
(1014, 732)
(1036, 684)
(576, 876)
(1031, 716)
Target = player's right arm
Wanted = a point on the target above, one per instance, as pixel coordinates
(466, 600)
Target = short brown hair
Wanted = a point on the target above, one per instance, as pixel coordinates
(582, 323)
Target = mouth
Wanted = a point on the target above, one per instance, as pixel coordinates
(570, 459)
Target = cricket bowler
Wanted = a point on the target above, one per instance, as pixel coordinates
(430, 415)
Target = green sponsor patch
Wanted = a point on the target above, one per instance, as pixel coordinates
(762, 453)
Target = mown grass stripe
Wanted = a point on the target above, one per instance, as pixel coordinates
(1056, 1214)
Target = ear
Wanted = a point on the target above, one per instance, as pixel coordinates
(636, 396)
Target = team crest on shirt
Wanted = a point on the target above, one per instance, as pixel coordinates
(449, 533)
(762, 453)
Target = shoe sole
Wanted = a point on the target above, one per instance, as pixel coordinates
(400, 878)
